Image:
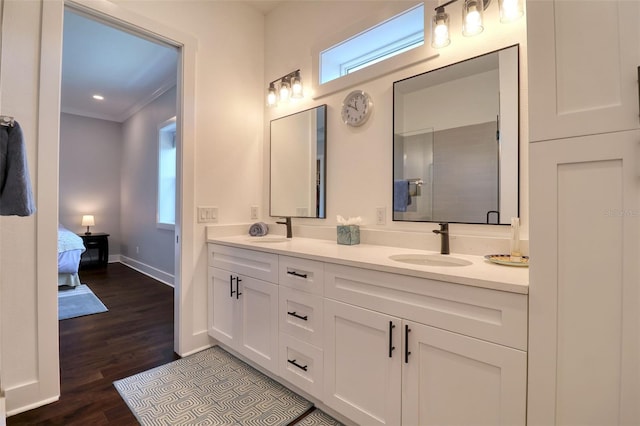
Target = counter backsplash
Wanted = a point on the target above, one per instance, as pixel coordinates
(460, 243)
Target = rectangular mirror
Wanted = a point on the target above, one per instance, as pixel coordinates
(456, 142)
(298, 164)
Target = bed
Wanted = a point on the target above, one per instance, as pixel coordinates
(70, 248)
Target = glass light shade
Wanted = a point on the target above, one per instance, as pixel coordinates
(440, 29)
(272, 98)
(511, 10)
(285, 91)
(88, 220)
(296, 87)
(472, 23)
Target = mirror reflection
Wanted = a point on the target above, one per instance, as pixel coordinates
(298, 164)
(456, 139)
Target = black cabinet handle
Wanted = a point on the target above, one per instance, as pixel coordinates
(301, 367)
(231, 278)
(294, 314)
(238, 294)
(407, 330)
(296, 274)
(391, 347)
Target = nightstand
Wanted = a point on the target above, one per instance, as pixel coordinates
(97, 241)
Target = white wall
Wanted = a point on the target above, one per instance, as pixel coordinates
(229, 113)
(143, 244)
(360, 159)
(90, 152)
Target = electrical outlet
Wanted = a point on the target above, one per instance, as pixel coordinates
(381, 215)
(254, 212)
(137, 249)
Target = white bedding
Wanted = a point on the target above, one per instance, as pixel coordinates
(70, 248)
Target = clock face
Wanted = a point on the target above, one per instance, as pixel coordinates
(356, 108)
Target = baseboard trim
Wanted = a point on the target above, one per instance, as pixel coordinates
(148, 270)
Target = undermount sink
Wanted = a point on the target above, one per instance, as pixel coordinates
(430, 260)
(273, 239)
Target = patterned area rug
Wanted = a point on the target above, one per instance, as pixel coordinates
(318, 418)
(78, 301)
(210, 387)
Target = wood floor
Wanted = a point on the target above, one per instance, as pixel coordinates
(135, 335)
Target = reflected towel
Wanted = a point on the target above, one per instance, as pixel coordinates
(259, 229)
(16, 196)
(401, 197)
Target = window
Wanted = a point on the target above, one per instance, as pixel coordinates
(167, 174)
(400, 33)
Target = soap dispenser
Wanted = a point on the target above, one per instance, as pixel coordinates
(514, 246)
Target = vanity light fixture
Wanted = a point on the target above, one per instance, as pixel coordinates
(472, 18)
(472, 22)
(284, 88)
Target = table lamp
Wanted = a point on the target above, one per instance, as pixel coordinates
(88, 220)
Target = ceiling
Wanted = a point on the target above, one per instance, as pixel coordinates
(127, 70)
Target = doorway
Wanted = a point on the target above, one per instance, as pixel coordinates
(119, 175)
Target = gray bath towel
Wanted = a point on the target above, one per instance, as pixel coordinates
(16, 197)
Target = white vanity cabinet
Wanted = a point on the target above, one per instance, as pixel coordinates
(301, 323)
(389, 358)
(243, 300)
(583, 67)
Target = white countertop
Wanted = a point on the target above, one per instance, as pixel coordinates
(481, 273)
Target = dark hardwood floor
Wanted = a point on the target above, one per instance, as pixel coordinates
(135, 335)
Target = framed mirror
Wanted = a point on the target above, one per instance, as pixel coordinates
(298, 164)
(456, 142)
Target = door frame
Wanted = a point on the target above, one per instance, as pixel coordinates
(48, 147)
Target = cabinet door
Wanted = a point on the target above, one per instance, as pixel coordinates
(451, 379)
(583, 59)
(584, 293)
(224, 318)
(362, 376)
(258, 305)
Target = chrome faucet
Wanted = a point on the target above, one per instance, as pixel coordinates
(444, 237)
(287, 221)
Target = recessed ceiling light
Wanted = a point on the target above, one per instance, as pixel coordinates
(98, 97)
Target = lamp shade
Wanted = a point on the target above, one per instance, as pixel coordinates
(88, 220)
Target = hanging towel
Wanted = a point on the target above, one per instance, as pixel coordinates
(401, 197)
(16, 197)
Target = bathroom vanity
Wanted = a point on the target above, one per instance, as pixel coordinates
(423, 339)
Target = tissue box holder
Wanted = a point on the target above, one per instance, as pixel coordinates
(348, 234)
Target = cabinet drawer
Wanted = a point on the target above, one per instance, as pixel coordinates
(492, 315)
(302, 274)
(301, 364)
(256, 264)
(301, 315)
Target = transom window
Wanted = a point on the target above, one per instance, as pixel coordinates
(396, 35)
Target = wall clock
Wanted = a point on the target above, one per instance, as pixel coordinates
(356, 108)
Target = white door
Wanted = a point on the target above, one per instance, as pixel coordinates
(258, 305)
(584, 297)
(451, 379)
(362, 370)
(224, 315)
(583, 59)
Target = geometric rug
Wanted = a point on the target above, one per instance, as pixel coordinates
(318, 418)
(211, 387)
(78, 301)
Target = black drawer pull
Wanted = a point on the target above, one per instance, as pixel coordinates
(301, 367)
(407, 330)
(391, 347)
(296, 274)
(294, 314)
